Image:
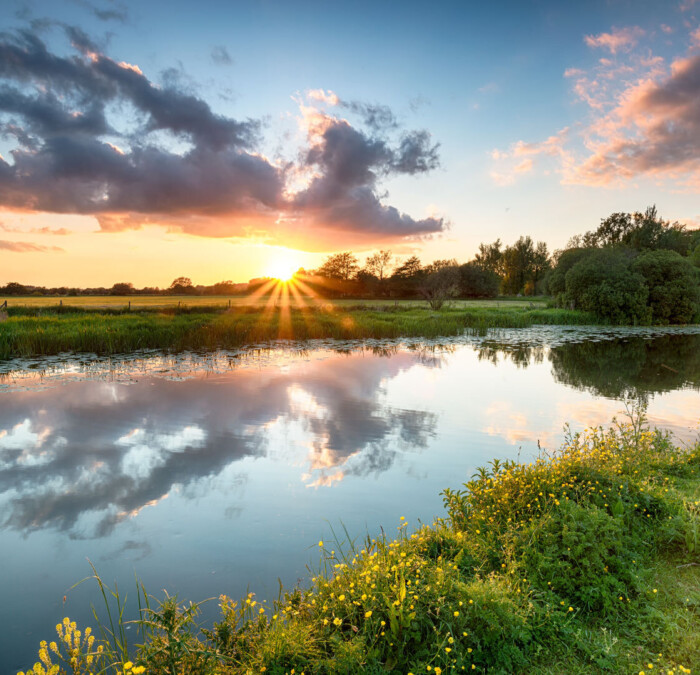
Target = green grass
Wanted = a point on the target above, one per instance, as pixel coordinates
(584, 562)
(31, 331)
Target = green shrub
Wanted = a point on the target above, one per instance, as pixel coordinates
(674, 291)
(582, 556)
(603, 283)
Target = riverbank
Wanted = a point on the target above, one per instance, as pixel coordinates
(33, 331)
(586, 561)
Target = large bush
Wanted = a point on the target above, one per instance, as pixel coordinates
(673, 285)
(477, 282)
(603, 283)
(555, 281)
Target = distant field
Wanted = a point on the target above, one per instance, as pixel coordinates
(111, 301)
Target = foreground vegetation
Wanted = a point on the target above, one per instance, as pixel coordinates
(585, 561)
(33, 331)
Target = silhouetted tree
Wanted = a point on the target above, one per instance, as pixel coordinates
(122, 288)
(182, 286)
(14, 288)
(490, 257)
(341, 266)
(379, 264)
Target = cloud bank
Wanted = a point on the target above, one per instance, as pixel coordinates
(93, 135)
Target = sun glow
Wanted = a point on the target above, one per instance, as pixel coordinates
(282, 266)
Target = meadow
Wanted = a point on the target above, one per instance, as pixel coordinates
(225, 301)
(585, 561)
(50, 329)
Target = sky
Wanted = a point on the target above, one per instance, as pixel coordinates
(219, 140)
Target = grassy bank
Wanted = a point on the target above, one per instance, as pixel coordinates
(43, 331)
(584, 562)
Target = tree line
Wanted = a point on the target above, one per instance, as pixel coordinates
(179, 286)
(633, 268)
(518, 269)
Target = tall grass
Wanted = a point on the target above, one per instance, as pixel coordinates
(582, 562)
(44, 331)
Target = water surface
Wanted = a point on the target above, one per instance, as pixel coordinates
(209, 474)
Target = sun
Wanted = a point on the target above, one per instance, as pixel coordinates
(282, 266)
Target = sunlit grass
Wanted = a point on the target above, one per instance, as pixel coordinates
(285, 314)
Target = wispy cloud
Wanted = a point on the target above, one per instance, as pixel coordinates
(220, 56)
(26, 247)
(59, 231)
(622, 39)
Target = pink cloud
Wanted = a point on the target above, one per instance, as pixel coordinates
(617, 40)
(653, 129)
(322, 96)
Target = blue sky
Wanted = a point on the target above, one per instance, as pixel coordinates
(538, 118)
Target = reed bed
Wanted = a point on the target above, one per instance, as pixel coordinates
(47, 331)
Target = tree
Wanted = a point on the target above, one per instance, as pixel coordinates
(182, 286)
(439, 286)
(14, 288)
(490, 257)
(477, 282)
(438, 265)
(640, 231)
(406, 277)
(556, 278)
(611, 231)
(342, 266)
(410, 268)
(540, 265)
(379, 264)
(518, 261)
(673, 286)
(122, 288)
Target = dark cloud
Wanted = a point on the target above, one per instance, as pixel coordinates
(416, 154)
(220, 56)
(112, 12)
(26, 247)
(179, 163)
(349, 165)
(377, 117)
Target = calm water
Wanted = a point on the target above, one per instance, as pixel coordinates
(214, 474)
